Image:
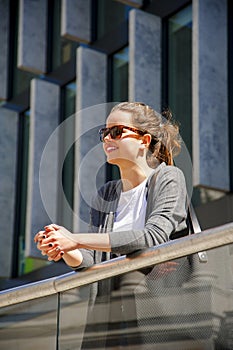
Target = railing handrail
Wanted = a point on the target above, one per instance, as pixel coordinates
(208, 239)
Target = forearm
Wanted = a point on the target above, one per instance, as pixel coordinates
(57, 237)
(73, 258)
(95, 241)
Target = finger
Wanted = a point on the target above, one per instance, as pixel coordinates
(59, 256)
(54, 249)
(50, 233)
(38, 246)
(39, 236)
(48, 240)
(51, 227)
(41, 246)
(48, 246)
(56, 227)
(55, 257)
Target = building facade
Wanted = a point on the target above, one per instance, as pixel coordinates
(63, 64)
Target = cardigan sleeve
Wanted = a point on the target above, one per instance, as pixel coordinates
(166, 214)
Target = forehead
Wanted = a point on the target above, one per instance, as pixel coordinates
(119, 118)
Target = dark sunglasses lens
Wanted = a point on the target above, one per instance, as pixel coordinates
(116, 132)
(103, 133)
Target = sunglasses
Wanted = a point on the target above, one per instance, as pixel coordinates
(116, 132)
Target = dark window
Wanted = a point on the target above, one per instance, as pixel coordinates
(180, 71)
(110, 14)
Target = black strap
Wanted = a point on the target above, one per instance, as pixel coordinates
(203, 258)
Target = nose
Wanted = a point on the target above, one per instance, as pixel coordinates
(107, 138)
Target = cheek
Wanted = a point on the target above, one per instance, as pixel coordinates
(130, 147)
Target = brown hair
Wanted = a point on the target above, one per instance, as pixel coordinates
(166, 140)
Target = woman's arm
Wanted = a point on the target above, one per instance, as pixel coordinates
(58, 239)
(73, 259)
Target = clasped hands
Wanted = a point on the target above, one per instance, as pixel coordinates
(55, 241)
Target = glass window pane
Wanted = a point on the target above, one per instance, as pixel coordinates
(120, 75)
(24, 264)
(23, 182)
(120, 81)
(110, 14)
(180, 71)
(63, 50)
(65, 215)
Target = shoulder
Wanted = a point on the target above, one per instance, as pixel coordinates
(166, 174)
(171, 171)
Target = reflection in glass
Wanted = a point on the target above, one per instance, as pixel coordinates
(29, 325)
(180, 304)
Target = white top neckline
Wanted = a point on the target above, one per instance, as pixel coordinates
(131, 210)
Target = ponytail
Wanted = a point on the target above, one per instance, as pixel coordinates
(168, 143)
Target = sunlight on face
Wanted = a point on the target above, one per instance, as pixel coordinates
(124, 151)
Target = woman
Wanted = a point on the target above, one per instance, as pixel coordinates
(145, 208)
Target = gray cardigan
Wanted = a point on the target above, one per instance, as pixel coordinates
(166, 215)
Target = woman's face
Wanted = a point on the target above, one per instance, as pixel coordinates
(129, 148)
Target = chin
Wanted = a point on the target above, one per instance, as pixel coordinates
(120, 162)
(112, 161)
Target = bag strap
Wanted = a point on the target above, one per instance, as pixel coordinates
(203, 258)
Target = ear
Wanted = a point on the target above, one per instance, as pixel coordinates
(146, 140)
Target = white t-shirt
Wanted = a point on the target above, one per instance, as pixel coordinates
(131, 210)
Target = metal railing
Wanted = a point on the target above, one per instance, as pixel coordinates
(205, 240)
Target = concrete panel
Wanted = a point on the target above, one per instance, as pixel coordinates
(210, 96)
(4, 44)
(32, 38)
(90, 116)
(145, 58)
(44, 119)
(76, 20)
(8, 164)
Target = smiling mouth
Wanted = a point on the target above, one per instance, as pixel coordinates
(110, 149)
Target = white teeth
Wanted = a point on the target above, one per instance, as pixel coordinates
(109, 149)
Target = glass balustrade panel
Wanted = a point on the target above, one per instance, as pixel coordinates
(31, 325)
(181, 305)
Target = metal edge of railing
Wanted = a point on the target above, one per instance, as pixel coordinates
(212, 238)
